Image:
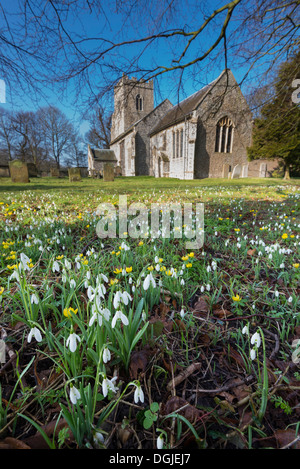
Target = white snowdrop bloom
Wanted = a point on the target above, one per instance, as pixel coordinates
(182, 313)
(34, 299)
(149, 280)
(74, 394)
(72, 341)
(160, 442)
(106, 355)
(55, 267)
(119, 316)
(245, 330)
(72, 283)
(277, 293)
(208, 268)
(208, 287)
(290, 299)
(252, 354)
(138, 394)
(96, 316)
(182, 282)
(108, 384)
(101, 290)
(68, 264)
(202, 289)
(256, 339)
(91, 293)
(36, 333)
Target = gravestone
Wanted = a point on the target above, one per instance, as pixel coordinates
(108, 172)
(4, 171)
(74, 175)
(118, 171)
(236, 173)
(19, 171)
(226, 170)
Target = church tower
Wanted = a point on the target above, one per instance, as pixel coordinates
(133, 100)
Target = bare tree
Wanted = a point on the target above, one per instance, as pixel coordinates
(99, 133)
(194, 36)
(57, 132)
(6, 132)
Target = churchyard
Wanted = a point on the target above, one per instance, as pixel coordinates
(143, 343)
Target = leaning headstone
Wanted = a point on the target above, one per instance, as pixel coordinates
(108, 172)
(74, 175)
(236, 173)
(19, 171)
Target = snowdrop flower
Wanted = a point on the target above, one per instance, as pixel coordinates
(72, 341)
(72, 283)
(138, 393)
(106, 355)
(25, 261)
(245, 330)
(55, 267)
(34, 332)
(290, 299)
(34, 299)
(108, 384)
(121, 297)
(149, 279)
(256, 340)
(74, 394)
(91, 293)
(121, 316)
(160, 442)
(252, 354)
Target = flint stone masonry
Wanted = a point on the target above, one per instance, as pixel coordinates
(19, 171)
(108, 172)
(74, 174)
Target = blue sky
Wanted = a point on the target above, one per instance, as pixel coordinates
(111, 25)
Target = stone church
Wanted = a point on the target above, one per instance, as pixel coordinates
(205, 135)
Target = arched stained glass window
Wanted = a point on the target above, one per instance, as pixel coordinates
(224, 135)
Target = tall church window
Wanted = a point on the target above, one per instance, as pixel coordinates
(139, 102)
(224, 135)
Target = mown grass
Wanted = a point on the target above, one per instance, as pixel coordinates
(183, 351)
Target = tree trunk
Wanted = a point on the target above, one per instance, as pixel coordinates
(287, 172)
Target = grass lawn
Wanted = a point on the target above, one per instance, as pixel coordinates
(127, 343)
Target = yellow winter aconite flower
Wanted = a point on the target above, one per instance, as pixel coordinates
(69, 311)
(113, 281)
(185, 258)
(1, 290)
(236, 298)
(150, 267)
(128, 269)
(141, 243)
(118, 271)
(59, 257)
(236, 229)
(189, 264)
(296, 265)
(284, 236)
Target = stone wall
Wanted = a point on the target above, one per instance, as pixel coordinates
(226, 100)
(125, 113)
(265, 168)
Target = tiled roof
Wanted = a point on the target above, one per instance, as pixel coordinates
(184, 108)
